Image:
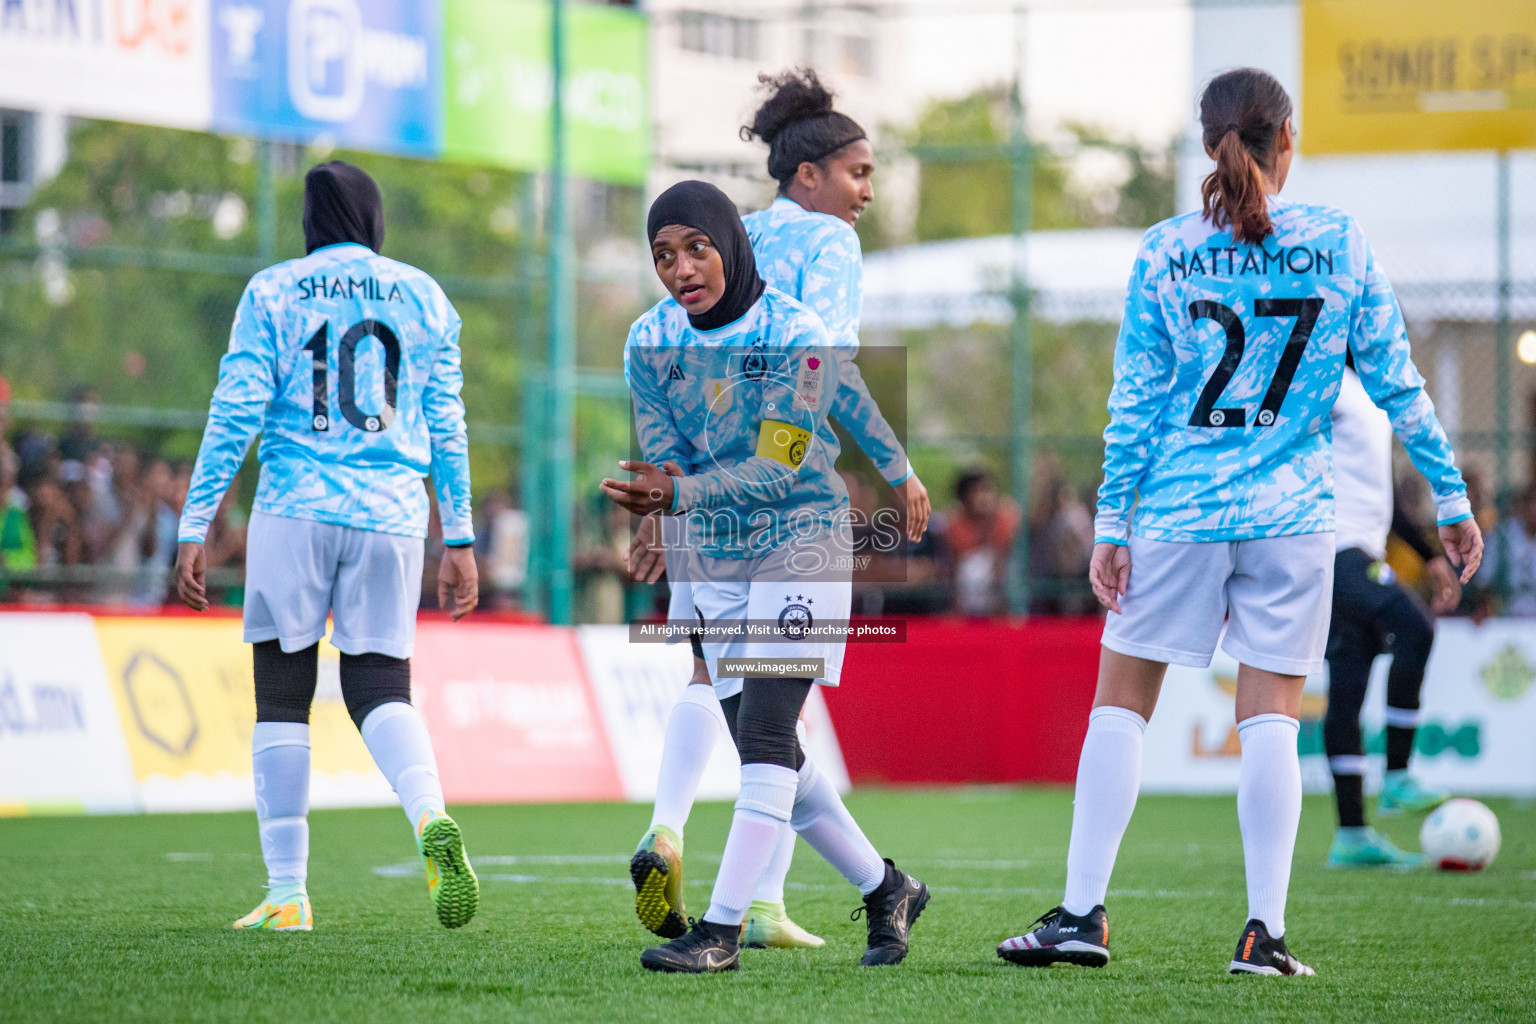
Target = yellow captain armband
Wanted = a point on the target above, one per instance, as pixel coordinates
(783, 442)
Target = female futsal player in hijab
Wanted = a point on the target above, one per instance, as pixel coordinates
(732, 382)
(805, 246)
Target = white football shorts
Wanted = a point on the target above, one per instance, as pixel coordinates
(297, 571)
(787, 594)
(1274, 595)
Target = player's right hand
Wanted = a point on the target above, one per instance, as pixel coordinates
(647, 559)
(458, 578)
(1110, 574)
(191, 563)
(1463, 546)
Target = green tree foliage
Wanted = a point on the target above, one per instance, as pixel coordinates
(973, 198)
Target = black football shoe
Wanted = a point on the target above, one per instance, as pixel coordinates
(890, 911)
(1059, 937)
(1257, 953)
(706, 948)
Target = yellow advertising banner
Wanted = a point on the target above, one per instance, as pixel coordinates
(186, 700)
(1407, 75)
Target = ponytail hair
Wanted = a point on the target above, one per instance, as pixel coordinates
(798, 123)
(1241, 114)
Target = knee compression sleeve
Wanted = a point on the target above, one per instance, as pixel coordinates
(285, 683)
(766, 719)
(368, 680)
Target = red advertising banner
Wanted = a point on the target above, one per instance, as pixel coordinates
(968, 701)
(511, 715)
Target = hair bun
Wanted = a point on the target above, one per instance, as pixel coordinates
(794, 95)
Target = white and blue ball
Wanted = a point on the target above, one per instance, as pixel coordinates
(1461, 835)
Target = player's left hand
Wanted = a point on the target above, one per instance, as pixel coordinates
(458, 577)
(1463, 546)
(1445, 588)
(650, 491)
(191, 563)
(918, 508)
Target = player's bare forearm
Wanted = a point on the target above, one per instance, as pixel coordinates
(918, 508)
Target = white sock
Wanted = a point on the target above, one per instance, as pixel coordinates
(767, 796)
(1269, 811)
(1108, 776)
(280, 767)
(693, 728)
(397, 738)
(822, 820)
(771, 888)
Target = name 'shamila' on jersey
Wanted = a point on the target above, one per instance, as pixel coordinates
(348, 288)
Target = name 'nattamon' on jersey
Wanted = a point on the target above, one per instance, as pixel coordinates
(347, 363)
(1228, 362)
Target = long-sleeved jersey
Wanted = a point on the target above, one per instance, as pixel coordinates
(347, 363)
(815, 258)
(1227, 365)
(740, 409)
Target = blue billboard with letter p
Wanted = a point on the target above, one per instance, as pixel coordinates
(364, 74)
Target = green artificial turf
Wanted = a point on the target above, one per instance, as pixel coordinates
(125, 919)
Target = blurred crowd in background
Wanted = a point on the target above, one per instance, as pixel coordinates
(89, 519)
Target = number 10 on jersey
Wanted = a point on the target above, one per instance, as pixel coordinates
(346, 387)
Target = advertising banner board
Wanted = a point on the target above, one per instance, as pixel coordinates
(187, 706)
(61, 750)
(1477, 718)
(498, 85)
(365, 74)
(511, 715)
(1410, 75)
(636, 686)
(143, 62)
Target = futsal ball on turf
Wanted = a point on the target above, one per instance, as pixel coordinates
(1461, 835)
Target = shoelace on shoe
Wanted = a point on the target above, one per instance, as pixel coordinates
(1047, 918)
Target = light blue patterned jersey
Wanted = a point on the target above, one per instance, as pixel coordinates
(740, 409)
(1227, 365)
(815, 258)
(347, 363)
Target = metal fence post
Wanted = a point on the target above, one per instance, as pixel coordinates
(561, 449)
(1504, 341)
(1019, 335)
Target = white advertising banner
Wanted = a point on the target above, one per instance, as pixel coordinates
(1477, 719)
(125, 60)
(61, 745)
(636, 685)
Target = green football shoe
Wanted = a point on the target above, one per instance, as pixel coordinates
(451, 882)
(1367, 848)
(1401, 793)
(768, 927)
(657, 871)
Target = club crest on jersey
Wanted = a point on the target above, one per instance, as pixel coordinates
(754, 365)
(808, 384)
(796, 620)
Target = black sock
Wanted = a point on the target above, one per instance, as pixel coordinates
(1349, 794)
(1399, 747)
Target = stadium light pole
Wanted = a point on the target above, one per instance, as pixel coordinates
(560, 451)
